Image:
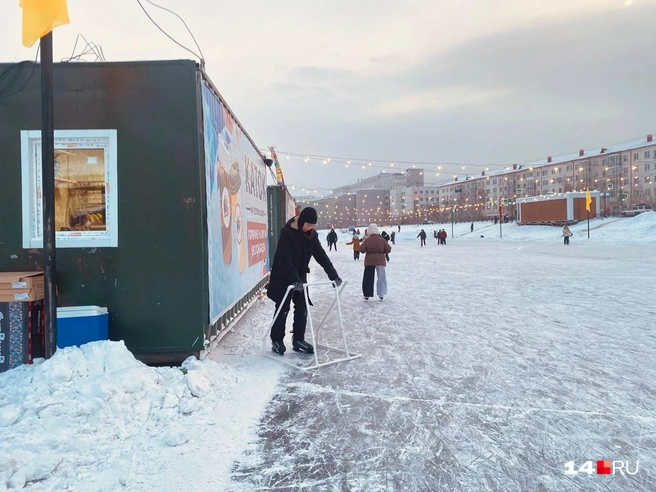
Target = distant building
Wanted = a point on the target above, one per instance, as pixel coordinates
(624, 174)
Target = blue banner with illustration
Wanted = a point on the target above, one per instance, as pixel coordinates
(236, 208)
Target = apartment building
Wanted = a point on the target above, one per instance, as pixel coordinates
(624, 174)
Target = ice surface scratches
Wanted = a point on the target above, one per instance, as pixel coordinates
(487, 367)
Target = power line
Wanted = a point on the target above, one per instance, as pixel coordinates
(200, 57)
(17, 65)
(93, 48)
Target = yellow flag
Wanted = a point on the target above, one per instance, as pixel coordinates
(40, 17)
(588, 200)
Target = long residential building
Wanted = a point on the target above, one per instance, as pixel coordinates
(624, 174)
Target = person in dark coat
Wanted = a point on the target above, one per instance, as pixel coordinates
(422, 236)
(471, 227)
(298, 243)
(386, 237)
(392, 236)
(332, 240)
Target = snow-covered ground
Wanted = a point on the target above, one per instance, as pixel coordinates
(96, 419)
(490, 364)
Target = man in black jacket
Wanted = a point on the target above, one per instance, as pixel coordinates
(298, 243)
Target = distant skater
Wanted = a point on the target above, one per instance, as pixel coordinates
(356, 246)
(566, 234)
(332, 240)
(422, 236)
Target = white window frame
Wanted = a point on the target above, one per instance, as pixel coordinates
(32, 186)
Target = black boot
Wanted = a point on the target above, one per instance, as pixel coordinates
(303, 346)
(278, 347)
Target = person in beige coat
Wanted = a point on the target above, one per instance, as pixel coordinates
(567, 233)
(375, 248)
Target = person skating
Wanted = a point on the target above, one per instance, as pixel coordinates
(422, 235)
(392, 236)
(567, 233)
(375, 248)
(332, 240)
(386, 237)
(298, 243)
(471, 227)
(356, 246)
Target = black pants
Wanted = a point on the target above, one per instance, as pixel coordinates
(566, 239)
(356, 255)
(423, 241)
(368, 281)
(330, 246)
(300, 317)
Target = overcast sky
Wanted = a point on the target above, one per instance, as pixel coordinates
(467, 81)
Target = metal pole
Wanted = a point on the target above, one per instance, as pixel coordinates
(588, 224)
(453, 217)
(48, 173)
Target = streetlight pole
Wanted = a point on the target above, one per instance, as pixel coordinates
(605, 195)
(453, 217)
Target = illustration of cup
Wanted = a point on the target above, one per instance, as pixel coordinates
(225, 157)
(237, 219)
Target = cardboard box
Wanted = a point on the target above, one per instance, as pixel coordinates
(21, 286)
(20, 280)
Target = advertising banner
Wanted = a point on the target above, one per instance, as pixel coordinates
(236, 208)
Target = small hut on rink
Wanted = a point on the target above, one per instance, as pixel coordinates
(556, 209)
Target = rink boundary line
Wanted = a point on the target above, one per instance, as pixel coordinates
(479, 405)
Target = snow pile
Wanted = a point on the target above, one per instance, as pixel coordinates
(92, 418)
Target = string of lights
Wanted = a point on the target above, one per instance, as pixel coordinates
(448, 171)
(381, 163)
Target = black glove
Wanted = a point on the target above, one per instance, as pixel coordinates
(337, 281)
(298, 285)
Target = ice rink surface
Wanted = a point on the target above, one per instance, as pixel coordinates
(489, 365)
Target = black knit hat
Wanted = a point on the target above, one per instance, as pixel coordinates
(308, 216)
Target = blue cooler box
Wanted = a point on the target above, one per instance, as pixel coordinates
(81, 324)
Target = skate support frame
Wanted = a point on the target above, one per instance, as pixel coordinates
(313, 333)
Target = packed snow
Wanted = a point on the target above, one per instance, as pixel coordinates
(95, 419)
(492, 362)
